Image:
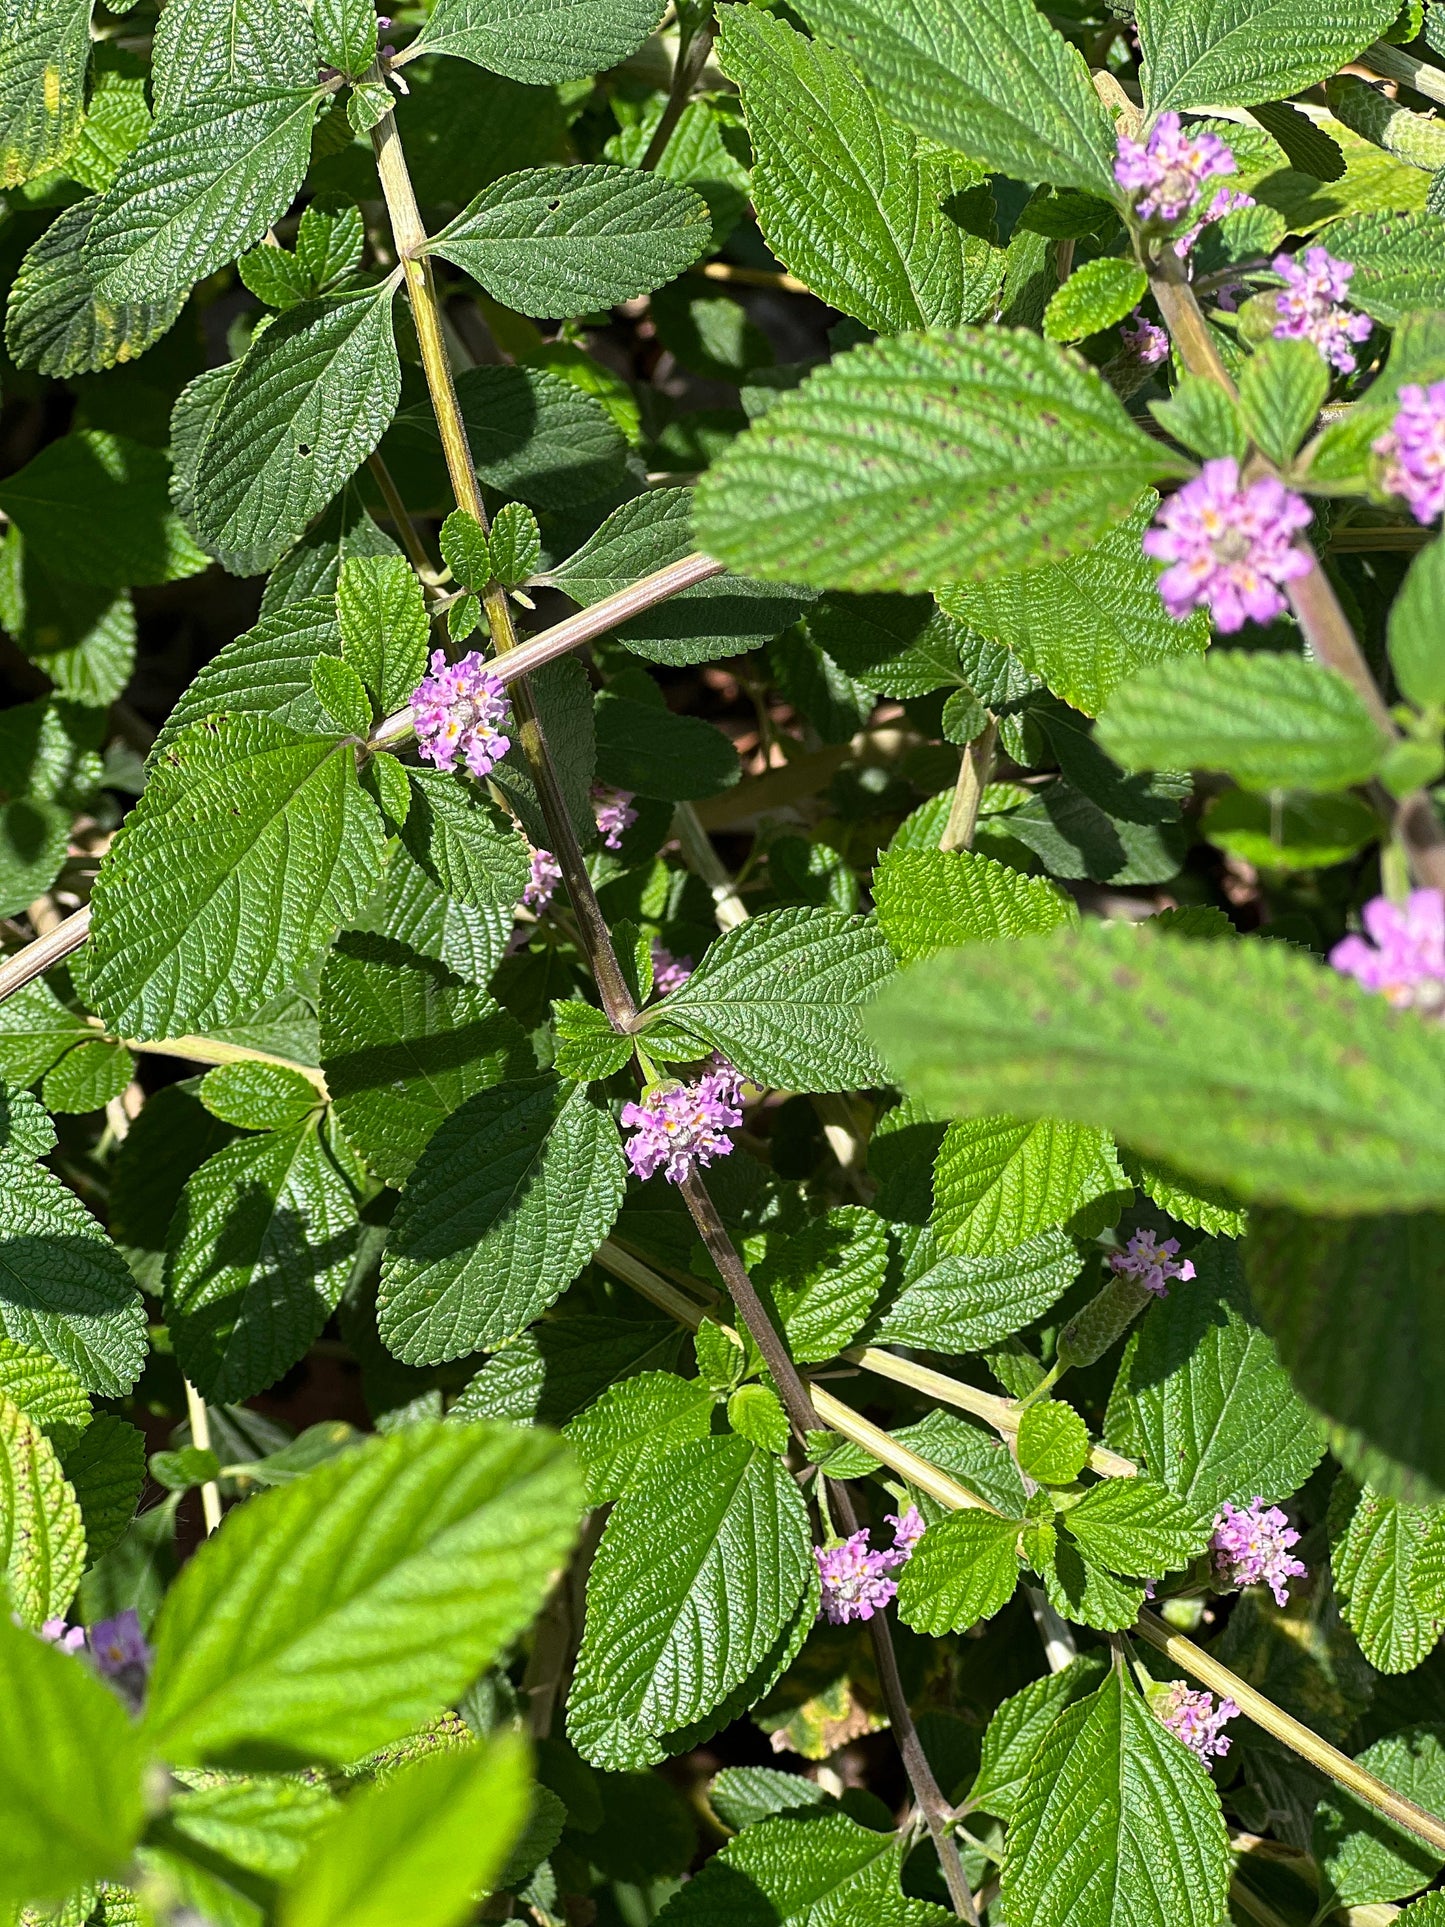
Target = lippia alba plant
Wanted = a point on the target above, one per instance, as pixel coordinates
(722, 963)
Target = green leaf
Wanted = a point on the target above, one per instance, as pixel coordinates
(994, 82)
(538, 437)
(718, 1537)
(1137, 1526)
(1237, 52)
(757, 1415)
(1416, 652)
(842, 192)
(781, 997)
(307, 405)
(258, 1255)
(1201, 415)
(466, 550)
(1053, 1443)
(88, 1077)
(1365, 1858)
(588, 1047)
(1081, 1591)
(963, 1569)
(1355, 1307)
(999, 1181)
(265, 671)
(419, 1845)
(70, 1798)
(63, 1285)
(1376, 1568)
(1117, 1823)
(622, 1438)
(106, 1467)
(559, 1367)
(55, 323)
(270, 1652)
(404, 1043)
(540, 40)
(463, 842)
(1270, 721)
(384, 630)
(42, 1537)
(342, 696)
(564, 240)
(1096, 295)
(928, 459)
(1397, 263)
(1291, 831)
(1256, 1068)
(1018, 1730)
(51, 1396)
(952, 1304)
(36, 1030)
(1282, 388)
(199, 43)
(259, 1097)
(346, 34)
(249, 846)
(509, 1200)
(44, 55)
(643, 748)
(116, 490)
(929, 900)
(823, 1281)
(80, 634)
(1202, 1398)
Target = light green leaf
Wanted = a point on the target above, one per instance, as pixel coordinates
(1397, 261)
(698, 1575)
(258, 1255)
(346, 34)
(1257, 1068)
(1293, 831)
(343, 698)
(588, 1048)
(87, 1078)
(564, 240)
(420, 1845)
(928, 459)
(781, 997)
(265, 671)
(307, 405)
(963, 1569)
(994, 81)
(1086, 625)
(842, 192)
(466, 550)
(106, 1467)
(1096, 296)
(1237, 52)
(1117, 1824)
(36, 1030)
(622, 1438)
(1137, 1526)
(116, 490)
(929, 900)
(55, 324)
(49, 1394)
(384, 630)
(1079, 1590)
(271, 1650)
(1270, 721)
(259, 1097)
(757, 1414)
(205, 183)
(1018, 1729)
(1202, 1398)
(462, 841)
(42, 1537)
(999, 1181)
(1375, 1564)
(44, 55)
(404, 1042)
(540, 40)
(509, 1200)
(116, 121)
(1363, 1857)
(249, 846)
(1417, 650)
(1282, 387)
(823, 1281)
(71, 1807)
(953, 1304)
(200, 43)
(1053, 1443)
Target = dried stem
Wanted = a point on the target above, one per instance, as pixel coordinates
(42, 955)
(201, 1439)
(973, 773)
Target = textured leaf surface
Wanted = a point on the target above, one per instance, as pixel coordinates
(823, 1281)
(697, 1575)
(267, 670)
(999, 1182)
(1248, 1064)
(200, 43)
(42, 1537)
(36, 1030)
(250, 845)
(510, 1199)
(1237, 52)
(535, 436)
(1018, 1729)
(338, 1612)
(541, 40)
(929, 900)
(1374, 1564)
(1137, 1526)
(922, 460)
(463, 843)
(621, 1440)
(796, 1872)
(258, 1255)
(964, 1569)
(781, 997)
(55, 324)
(557, 1368)
(45, 1390)
(1117, 1824)
(1398, 262)
(1270, 721)
(116, 490)
(954, 1304)
(1365, 1858)
(1095, 296)
(44, 54)
(106, 1467)
(991, 80)
(381, 613)
(563, 240)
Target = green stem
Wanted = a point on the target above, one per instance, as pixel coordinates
(687, 71)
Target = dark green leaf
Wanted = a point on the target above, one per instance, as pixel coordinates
(540, 40)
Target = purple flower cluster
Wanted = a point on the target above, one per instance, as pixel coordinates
(1152, 1263)
(1229, 547)
(1147, 341)
(1310, 306)
(545, 876)
(1194, 1718)
(858, 1582)
(1405, 962)
(614, 813)
(668, 972)
(1166, 174)
(1251, 1547)
(459, 710)
(1413, 450)
(116, 1648)
(680, 1126)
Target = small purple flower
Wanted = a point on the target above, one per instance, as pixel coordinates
(908, 1529)
(1166, 174)
(70, 1639)
(546, 875)
(1147, 341)
(119, 1653)
(680, 1126)
(1229, 547)
(1309, 306)
(1405, 962)
(1413, 448)
(668, 972)
(460, 709)
(1251, 1546)
(856, 1581)
(1152, 1263)
(1194, 1718)
(614, 813)
(1228, 200)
